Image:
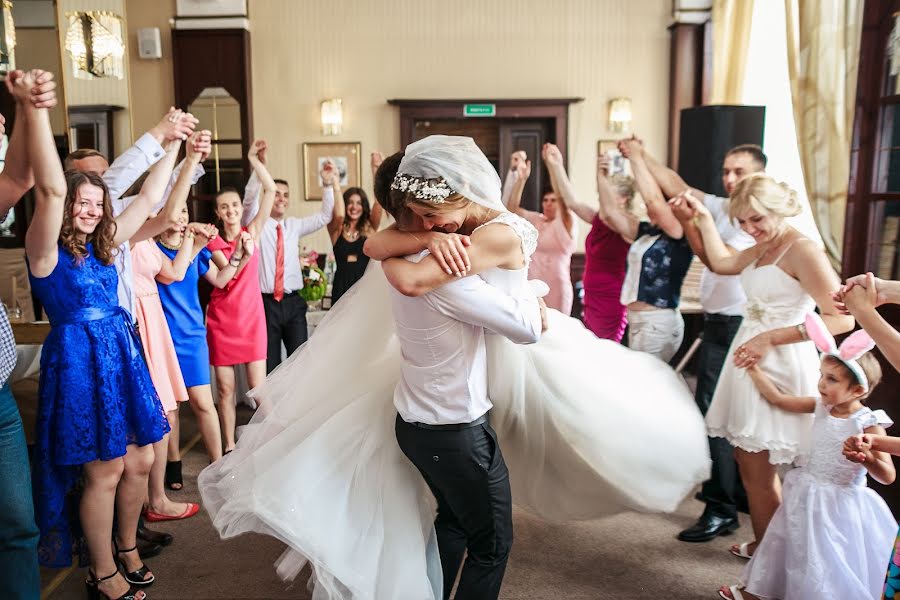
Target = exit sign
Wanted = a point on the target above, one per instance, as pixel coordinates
(479, 110)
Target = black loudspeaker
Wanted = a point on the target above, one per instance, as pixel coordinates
(707, 133)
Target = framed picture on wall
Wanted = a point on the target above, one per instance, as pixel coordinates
(619, 165)
(346, 155)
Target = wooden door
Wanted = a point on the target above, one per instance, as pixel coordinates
(529, 136)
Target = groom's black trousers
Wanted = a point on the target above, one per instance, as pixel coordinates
(467, 475)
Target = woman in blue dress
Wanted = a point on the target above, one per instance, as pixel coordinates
(181, 305)
(98, 412)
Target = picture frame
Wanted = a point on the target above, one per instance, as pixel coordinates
(621, 165)
(346, 155)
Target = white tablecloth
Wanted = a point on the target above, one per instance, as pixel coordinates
(28, 362)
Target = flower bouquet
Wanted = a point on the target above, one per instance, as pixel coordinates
(314, 284)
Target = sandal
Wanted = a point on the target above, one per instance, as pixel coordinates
(742, 550)
(94, 593)
(137, 576)
(735, 593)
(173, 475)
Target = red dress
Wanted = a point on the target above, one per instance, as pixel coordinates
(605, 253)
(235, 321)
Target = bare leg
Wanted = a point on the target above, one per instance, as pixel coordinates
(129, 500)
(207, 419)
(225, 400)
(101, 477)
(256, 375)
(159, 501)
(763, 489)
(174, 449)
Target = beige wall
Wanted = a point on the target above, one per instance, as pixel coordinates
(369, 51)
(152, 80)
(38, 48)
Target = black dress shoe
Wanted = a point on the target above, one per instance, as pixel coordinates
(707, 527)
(148, 549)
(154, 537)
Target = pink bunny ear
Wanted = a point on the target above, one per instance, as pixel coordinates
(856, 344)
(818, 333)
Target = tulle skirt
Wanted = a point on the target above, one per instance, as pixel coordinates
(588, 428)
(825, 541)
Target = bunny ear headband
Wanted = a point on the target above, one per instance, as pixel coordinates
(856, 344)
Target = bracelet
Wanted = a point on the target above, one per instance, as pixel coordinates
(233, 263)
(802, 329)
(189, 235)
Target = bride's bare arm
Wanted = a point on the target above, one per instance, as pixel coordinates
(449, 249)
(492, 246)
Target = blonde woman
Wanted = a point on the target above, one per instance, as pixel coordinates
(785, 276)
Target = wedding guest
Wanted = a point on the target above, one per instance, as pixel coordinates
(98, 410)
(151, 265)
(552, 260)
(235, 317)
(517, 158)
(280, 271)
(722, 299)
(657, 262)
(19, 574)
(785, 276)
(354, 221)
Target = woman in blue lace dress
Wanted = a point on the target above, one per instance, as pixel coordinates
(98, 411)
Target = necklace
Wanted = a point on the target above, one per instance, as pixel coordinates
(169, 246)
(351, 235)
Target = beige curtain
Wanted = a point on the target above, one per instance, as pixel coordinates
(823, 59)
(731, 20)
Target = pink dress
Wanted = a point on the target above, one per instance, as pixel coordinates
(162, 362)
(605, 255)
(235, 321)
(552, 260)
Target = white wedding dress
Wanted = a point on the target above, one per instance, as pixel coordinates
(588, 428)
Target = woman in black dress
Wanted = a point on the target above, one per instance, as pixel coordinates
(354, 220)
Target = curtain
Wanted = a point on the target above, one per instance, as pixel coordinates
(731, 21)
(823, 58)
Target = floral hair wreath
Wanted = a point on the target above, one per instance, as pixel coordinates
(435, 191)
(856, 344)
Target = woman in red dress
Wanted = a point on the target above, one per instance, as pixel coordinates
(235, 321)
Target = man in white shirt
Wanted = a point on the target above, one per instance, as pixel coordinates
(280, 271)
(127, 169)
(723, 299)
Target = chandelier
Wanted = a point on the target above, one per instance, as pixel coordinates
(7, 40)
(94, 44)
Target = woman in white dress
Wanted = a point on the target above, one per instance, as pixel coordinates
(785, 276)
(322, 471)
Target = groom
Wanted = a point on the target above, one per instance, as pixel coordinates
(442, 424)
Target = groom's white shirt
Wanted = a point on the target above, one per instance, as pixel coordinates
(443, 377)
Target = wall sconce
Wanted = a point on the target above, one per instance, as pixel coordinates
(332, 117)
(620, 115)
(7, 40)
(94, 44)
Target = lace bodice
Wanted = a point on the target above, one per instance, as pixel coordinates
(525, 230)
(826, 461)
(514, 281)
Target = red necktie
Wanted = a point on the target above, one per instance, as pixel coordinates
(278, 291)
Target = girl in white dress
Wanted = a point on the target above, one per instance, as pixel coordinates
(322, 471)
(831, 537)
(785, 276)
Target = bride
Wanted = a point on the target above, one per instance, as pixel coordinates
(588, 427)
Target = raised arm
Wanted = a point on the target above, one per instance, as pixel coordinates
(198, 147)
(861, 299)
(719, 258)
(42, 236)
(561, 184)
(775, 397)
(658, 209)
(132, 218)
(332, 183)
(219, 277)
(514, 202)
(615, 216)
(668, 180)
(131, 164)
(254, 227)
(494, 245)
(196, 236)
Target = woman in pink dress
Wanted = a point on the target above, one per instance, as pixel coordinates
(151, 265)
(552, 260)
(235, 320)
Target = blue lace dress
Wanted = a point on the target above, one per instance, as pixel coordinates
(95, 394)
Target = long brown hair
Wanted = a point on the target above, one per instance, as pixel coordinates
(103, 236)
(564, 213)
(363, 226)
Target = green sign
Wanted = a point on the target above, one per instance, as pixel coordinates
(479, 110)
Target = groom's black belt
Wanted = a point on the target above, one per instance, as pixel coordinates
(452, 426)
